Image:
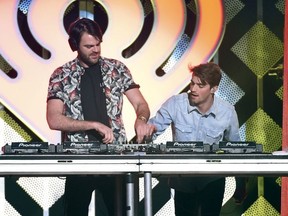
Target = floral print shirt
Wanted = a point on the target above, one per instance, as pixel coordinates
(64, 84)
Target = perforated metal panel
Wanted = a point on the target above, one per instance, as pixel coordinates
(232, 9)
(45, 191)
(259, 49)
(11, 129)
(262, 128)
(261, 207)
(279, 93)
(4, 65)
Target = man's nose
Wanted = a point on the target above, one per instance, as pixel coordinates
(95, 49)
(193, 87)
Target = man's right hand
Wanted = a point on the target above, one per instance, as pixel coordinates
(106, 132)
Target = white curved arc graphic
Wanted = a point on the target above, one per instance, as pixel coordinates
(45, 20)
(209, 29)
(25, 96)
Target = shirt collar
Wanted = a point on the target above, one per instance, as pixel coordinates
(82, 71)
(213, 109)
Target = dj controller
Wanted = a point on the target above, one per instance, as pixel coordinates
(170, 147)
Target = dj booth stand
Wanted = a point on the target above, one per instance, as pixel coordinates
(65, 165)
(148, 165)
(209, 165)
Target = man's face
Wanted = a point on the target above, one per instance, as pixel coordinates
(201, 94)
(89, 50)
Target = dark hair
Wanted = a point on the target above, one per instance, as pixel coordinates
(78, 27)
(208, 73)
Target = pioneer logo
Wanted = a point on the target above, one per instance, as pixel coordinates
(30, 145)
(191, 145)
(81, 145)
(229, 144)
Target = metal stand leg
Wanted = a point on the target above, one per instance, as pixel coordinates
(130, 194)
(148, 193)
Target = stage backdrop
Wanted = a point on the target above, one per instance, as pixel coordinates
(156, 39)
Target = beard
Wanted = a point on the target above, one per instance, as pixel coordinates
(88, 60)
(192, 100)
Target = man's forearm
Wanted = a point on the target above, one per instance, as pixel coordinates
(143, 112)
(63, 123)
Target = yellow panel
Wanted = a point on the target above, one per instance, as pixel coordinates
(259, 49)
(261, 207)
(279, 93)
(262, 129)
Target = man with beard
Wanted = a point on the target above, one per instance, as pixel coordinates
(85, 99)
(198, 115)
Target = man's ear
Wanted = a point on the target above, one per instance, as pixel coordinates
(214, 89)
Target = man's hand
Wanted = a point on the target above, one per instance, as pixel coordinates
(143, 130)
(105, 131)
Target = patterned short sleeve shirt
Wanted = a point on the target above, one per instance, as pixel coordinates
(64, 84)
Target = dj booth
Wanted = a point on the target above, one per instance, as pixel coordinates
(140, 163)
